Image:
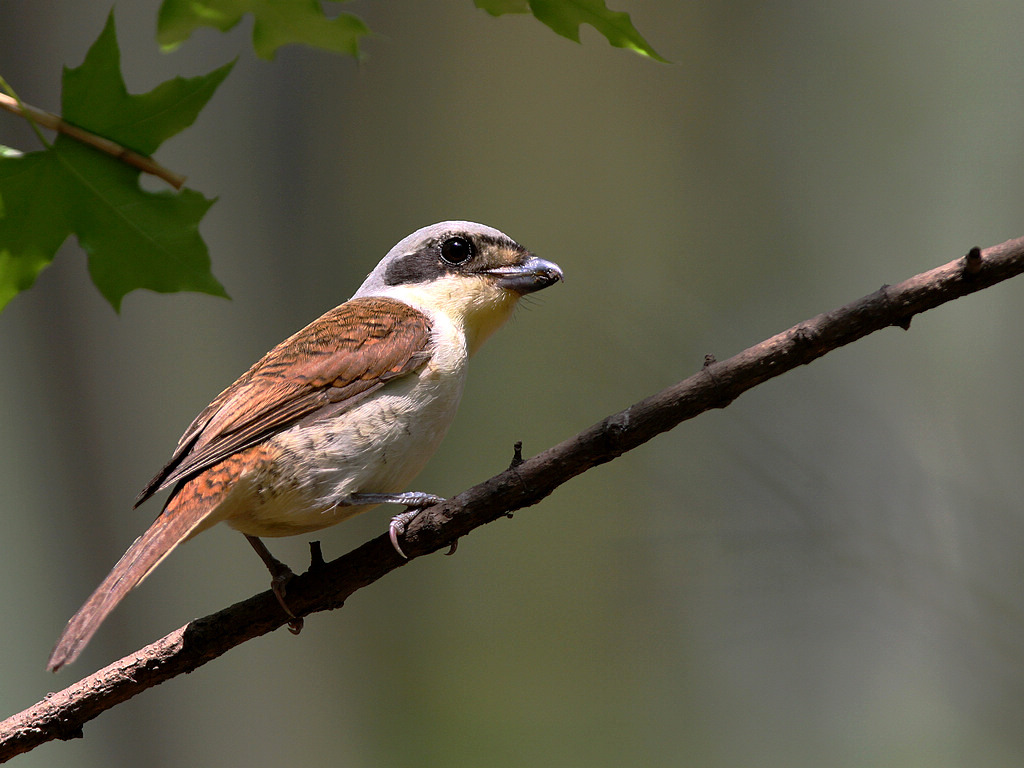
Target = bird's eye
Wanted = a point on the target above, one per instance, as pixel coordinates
(456, 250)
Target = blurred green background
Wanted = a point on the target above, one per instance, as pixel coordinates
(827, 573)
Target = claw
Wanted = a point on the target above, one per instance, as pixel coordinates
(279, 586)
(397, 527)
(415, 501)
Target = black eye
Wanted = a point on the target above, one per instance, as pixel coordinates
(456, 250)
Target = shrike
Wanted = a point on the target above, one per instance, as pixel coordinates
(340, 416)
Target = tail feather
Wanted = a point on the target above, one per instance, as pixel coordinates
(171, 528)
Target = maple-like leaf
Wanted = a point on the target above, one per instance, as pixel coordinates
(134, 238)
(565, 17)
(275, 23)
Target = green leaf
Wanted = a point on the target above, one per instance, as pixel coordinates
(96, 98)
(276, 23)
(134, 238)
(565, 17)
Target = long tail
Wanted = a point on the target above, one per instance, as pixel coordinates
(175, 524)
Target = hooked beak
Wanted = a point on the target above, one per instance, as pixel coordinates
(532, 275)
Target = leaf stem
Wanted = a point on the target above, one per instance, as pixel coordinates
(38, 117)
(25, 110)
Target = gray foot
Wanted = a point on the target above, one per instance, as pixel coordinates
(414, 500)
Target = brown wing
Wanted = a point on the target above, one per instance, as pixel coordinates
(335, 361)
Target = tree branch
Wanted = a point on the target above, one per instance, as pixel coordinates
(112, 148)
(326, 586)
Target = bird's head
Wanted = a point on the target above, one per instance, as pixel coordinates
(472, 273)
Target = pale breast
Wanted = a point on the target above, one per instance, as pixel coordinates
(377, 447)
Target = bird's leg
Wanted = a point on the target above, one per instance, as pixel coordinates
(280, 575)
(415, 501)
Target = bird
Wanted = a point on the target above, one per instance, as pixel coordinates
(337, 418)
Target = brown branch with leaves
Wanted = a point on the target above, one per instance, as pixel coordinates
(326, 586)
(56, 123)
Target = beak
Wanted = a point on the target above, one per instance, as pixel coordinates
(532, 275)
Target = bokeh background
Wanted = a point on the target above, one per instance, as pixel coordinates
(827, 573)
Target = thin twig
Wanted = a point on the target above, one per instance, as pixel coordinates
(326, 587)
(112, 148)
